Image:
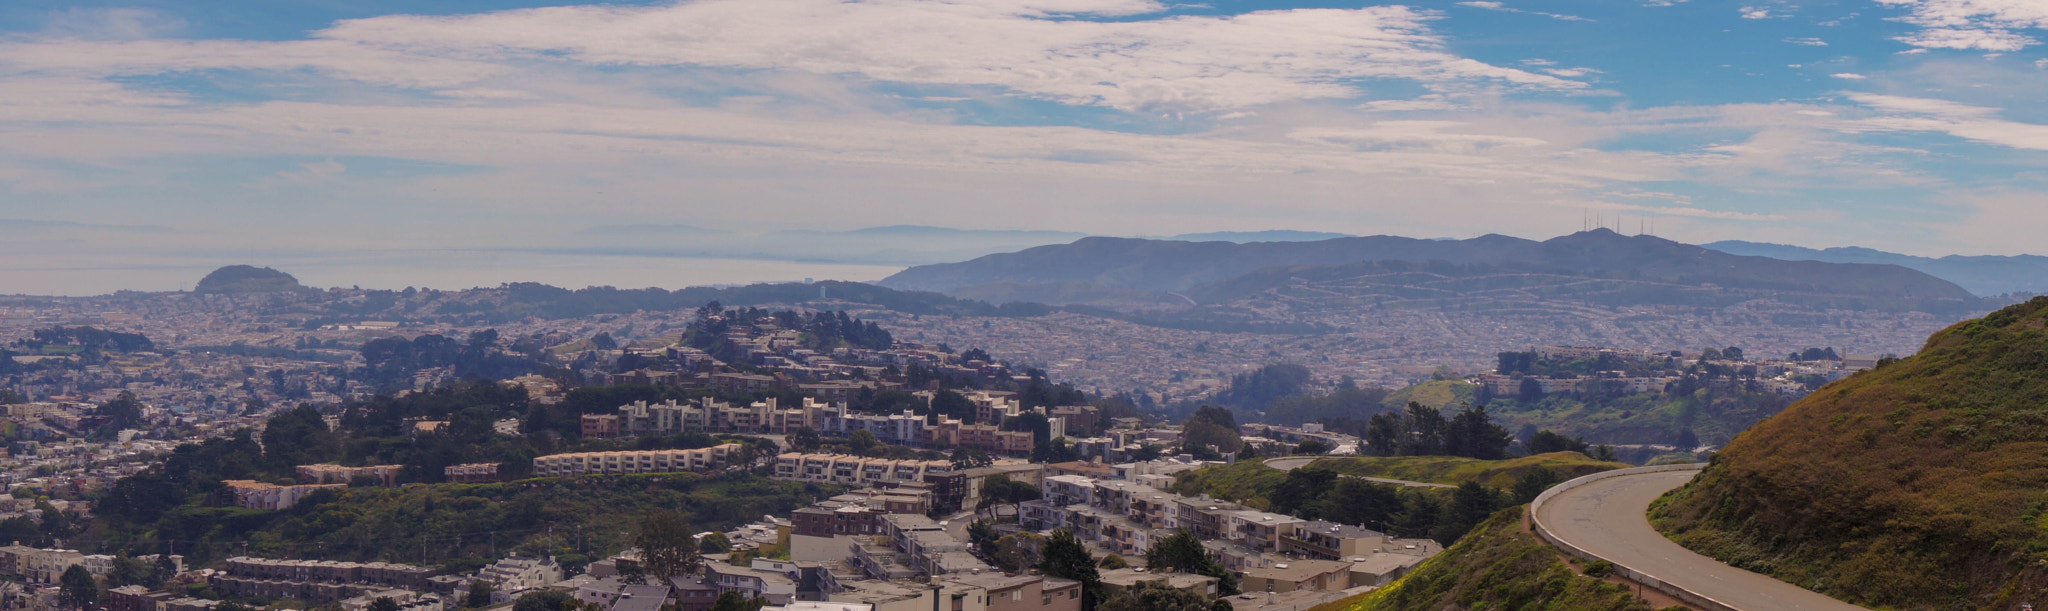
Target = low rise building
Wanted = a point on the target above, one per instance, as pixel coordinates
(253, 494)
(640, 461)
(383, 475)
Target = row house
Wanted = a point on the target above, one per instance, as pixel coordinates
(328, 571)
(709, 416)
(641, 461)
(473, 473)
(384, 475)
(856, 470)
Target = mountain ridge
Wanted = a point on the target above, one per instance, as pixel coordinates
(1984, 275)
(1178, 267)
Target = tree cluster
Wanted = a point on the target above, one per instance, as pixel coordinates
(1423, 431)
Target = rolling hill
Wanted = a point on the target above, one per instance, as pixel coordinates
(1916, 485)
(1597, 266)
(1983, 275)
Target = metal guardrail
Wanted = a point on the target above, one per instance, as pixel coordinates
(1649, 581)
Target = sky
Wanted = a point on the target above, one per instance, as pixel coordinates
(154, 134)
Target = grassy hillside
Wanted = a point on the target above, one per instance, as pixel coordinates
(1710, 415)
(1500, 565)
(1917, 485)
(1454, 470)
(1250, 482)
(460, 525)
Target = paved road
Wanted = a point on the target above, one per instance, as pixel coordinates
(1609, 518)
(1290, 463)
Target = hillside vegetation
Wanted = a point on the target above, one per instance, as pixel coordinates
(1500, 565)
(1917, 485)
(1455, 470)
(460, 525)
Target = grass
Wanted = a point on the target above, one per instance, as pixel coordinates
(1454, 470)
(1500, 565)
(1917, 485)
(1249, 482)
(1435, 393)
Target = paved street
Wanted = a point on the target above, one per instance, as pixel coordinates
(1609, 519)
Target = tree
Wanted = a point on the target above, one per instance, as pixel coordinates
(603, 341)
(1182, 552)
(666, 545)
(861, 441)
(982, 535)
(1533, 483)
(1427, 427)
(805, 440)
(1018, 552)
(1312, 446)
(1113, 562)
(1247, 452)
(541, 600)
(1054, 451)
(1156, 596)
(76, 588)
(1472, 434)
(1530, 391)
(383, 603)
(164, 569)
(1384, 433)
(1470, 504)
(1606, 453)
(999, 490)
(731, 600)
(1066, 558)
(1545, 441)
(969, 458)
(129, 571)
(479, 593)
(714, 543)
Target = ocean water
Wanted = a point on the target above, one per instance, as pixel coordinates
(103, 273)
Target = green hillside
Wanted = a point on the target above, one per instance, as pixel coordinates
(1500, 565)
(1455, 470)
(1917, 485)
(246, 279)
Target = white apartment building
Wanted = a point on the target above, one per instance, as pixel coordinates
(641, 461)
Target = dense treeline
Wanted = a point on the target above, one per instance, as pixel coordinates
(91, 338)
(1347, 401)
(1423, 431)
(186, 493)
(1322, 494)
(822, 330)
(459, 526)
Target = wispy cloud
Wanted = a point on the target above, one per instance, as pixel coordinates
(1988, 25)
(1909, 114)
(1849, 76)
(1491, 5)
(1807, 41)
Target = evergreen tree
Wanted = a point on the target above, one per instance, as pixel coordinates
(76, 588)
(667, 546)
(1066, 558)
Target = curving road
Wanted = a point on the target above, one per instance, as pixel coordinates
(1609, 518)
(1290, 463)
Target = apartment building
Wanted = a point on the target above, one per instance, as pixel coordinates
(855, 470)
(639, 461)
(986, 437)
(260, 495)
(709, 416)
(514, 575)
(384, 475)
(473, 473)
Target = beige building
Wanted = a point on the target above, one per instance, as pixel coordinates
(643, 461)
(855, 470)
(259, 495)
(385, 475)
(1299, 575)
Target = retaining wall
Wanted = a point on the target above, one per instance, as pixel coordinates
(1647, 580)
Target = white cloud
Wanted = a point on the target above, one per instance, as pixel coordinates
(111, 24)
(1960, 120)
(1754, 12)
(1503, 7)
(1988, 25)
(1849, 76)
(1177, 63)
(1807, 41)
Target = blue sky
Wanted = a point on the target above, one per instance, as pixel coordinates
(245, 126)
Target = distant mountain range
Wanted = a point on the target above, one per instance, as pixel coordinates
(1983, 275)
(1597, 266)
